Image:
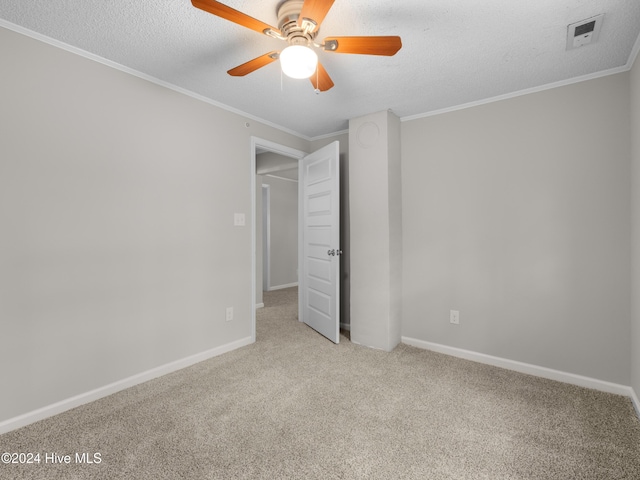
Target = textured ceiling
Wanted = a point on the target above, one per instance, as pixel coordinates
(454, 52)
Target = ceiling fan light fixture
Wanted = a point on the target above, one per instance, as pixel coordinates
(298, 61)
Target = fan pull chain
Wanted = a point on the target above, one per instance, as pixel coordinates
(317, 82)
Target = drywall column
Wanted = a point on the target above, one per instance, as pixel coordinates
(375, 208)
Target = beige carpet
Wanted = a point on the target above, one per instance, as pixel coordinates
(294, 405)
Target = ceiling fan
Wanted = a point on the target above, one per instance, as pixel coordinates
(298, 24)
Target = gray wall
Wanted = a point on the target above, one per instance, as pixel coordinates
(118, 251)
(635, 225)
(271, 162)
(517, 214)
(284, 231)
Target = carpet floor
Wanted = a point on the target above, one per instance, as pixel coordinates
(294, 405)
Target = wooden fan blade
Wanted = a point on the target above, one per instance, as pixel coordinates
(315, 10)
(228, 13)
(364, 45)
(253, 65)
(321, 79)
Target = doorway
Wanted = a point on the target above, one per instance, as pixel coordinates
(318, 232)
(279, 228)
(281, 165)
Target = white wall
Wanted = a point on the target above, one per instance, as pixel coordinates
(517, 214)
(283, 244)
(635, 225)
(118, 252)
(376, 230)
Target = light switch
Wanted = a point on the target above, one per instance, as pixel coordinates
(238, 219)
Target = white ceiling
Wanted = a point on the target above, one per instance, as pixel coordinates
(455, 52)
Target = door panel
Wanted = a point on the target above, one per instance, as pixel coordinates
(319, 280)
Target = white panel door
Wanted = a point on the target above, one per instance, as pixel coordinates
(319, 276)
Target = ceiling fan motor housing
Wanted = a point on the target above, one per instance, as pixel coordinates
(288, 14)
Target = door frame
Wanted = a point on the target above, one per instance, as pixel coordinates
(281, 150)
(266, 237)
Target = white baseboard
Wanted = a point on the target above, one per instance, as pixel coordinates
(93, 395)
(280, 287)
(345, 326)
(259, 305)
(527, 368)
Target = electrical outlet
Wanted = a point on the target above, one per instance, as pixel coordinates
(229, 314)
(454, 317)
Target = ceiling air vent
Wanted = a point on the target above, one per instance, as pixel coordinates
(584, 32)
